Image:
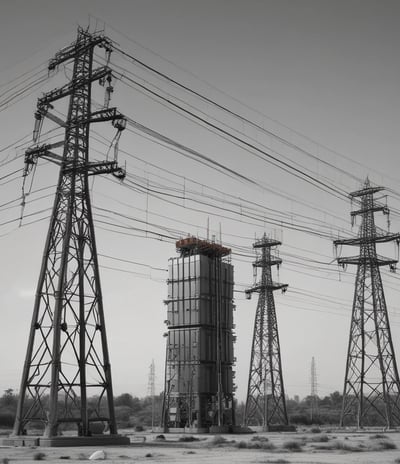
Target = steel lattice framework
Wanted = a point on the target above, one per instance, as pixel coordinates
(314, 390)
(266, 404)
(67, 357)
(371, 385)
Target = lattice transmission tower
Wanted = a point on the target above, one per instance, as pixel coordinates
(66, 376)
(371, 385)
(314, 390)
(151, 390)
(265, 403)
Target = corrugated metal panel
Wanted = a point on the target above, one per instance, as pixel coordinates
(191, 292)
(192, 336)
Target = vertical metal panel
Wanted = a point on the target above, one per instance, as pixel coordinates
(192, 342)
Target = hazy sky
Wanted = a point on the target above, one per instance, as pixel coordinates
(320, 75)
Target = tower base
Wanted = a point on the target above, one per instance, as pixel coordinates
(65, 441)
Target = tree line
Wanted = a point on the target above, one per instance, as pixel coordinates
(134, 412)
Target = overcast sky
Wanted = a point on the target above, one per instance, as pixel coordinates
(321, 77)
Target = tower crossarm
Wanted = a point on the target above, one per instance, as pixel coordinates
(271, 261)
(265, 242)
(103, 115)
(259, 287)
(102, 167)
(79, 48)
(378, 260)
(365, 191)
(68, 89)
(356, 241)
(43, 151)
(373, 209)
(109, 114)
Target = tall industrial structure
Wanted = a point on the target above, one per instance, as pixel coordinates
(371, 385)
(266, 403)
(151, 390)
(199, 389)
(66, 378)
(314, 391)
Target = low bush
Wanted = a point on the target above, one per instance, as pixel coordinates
(218, 440)
(39, 456)
(277, 461)
(292, 445)
(319, 439)
(340, 445)
(6, 419)
(259, 438)
(379, 435)
(264, 445)
(382, 445)
(188, 438)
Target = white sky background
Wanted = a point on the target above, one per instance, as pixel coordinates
(325, 69)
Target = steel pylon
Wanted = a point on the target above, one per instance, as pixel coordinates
(67, 376)
(314, 391)
(371, 385)
(265, 403)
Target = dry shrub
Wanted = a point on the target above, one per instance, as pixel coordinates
(39, 456)
(379, 435)
(277, 461)
(218, 440)
(383, 445)
(340, 445)
(264, 445)
(319, 439)
(259, 438)
(188, 438)
(292, 445)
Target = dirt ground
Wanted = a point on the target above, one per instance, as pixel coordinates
(326, 447)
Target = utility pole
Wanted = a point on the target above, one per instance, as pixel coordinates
(266, 408)
(67, 376)
(314, 390)
(371, 382)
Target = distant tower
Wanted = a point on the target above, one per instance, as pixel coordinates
(151, 390)
(67, 376)
(266, 403)
(314, 390)
(371, 384)
(198, 390)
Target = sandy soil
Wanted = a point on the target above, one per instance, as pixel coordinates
(316, 448)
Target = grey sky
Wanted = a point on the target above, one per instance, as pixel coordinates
(325, 69)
